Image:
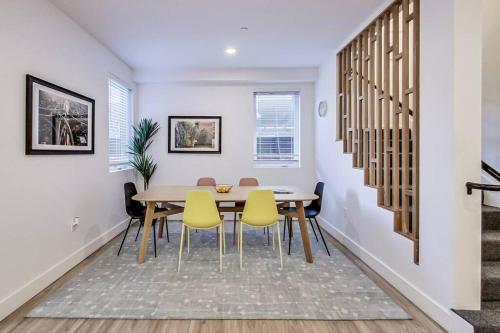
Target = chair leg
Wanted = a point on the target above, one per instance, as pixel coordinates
(279, 244)
(274, 233)
(268, 241)
(284, 227)
(312, 226)
(234, 228)
(290, 226)
(241, 245)
(166, 227)
(154, 236)
(160, 227)
(188, 237)
(125, 236)
(224, 238)
(138, 230)
(221, 245)
(321, 234)
(238, 236)
(181, 243)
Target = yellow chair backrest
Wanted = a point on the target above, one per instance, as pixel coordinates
(200, 210)
(260, 208)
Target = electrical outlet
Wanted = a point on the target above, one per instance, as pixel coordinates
(75, 224)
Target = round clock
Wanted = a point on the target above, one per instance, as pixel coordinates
(322, 108)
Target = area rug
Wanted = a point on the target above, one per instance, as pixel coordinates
(331, 288)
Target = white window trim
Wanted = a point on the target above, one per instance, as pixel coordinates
(278, 164)
(117, 167)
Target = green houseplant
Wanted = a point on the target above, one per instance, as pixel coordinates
(142, 139)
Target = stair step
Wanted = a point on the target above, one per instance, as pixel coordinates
(490, 281)
(490, 306)
(486, 320)
(491, 218)
(491, 245)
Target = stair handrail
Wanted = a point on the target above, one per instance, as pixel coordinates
(490, 170)
(485, 187)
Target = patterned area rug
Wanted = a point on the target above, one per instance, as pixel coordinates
(332, 288)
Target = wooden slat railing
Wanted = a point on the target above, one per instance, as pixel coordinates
(378, 111)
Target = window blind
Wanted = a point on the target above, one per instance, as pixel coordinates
(277, 127)
(120, 124)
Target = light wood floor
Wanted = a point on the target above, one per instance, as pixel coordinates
(420, 323)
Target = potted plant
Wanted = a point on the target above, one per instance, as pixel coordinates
(142, 139)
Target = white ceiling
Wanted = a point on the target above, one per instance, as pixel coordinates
(164, 34)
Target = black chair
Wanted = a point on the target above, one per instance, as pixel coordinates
(137, 211)
(311, 211)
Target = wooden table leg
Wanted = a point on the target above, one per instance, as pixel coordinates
(148, 221)
(303, 230)
(160, 227)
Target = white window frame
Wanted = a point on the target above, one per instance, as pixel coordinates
(114, 167)
(271, 164)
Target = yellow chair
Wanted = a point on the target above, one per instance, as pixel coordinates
(260, 211)
(200, 212)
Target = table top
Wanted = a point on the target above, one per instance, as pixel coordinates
(237, 193)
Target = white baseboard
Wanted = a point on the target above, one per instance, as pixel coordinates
(443, 316)
(23, 294)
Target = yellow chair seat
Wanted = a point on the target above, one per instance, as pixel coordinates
(260, 211)
(200, 212)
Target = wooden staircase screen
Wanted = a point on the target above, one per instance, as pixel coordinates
(378, 111)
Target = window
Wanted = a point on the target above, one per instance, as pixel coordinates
(120, 125)
(277, 130)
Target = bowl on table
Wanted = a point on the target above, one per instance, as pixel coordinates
(223, 188)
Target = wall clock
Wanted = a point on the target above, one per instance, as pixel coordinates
(322, 108)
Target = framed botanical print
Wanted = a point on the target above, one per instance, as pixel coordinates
(194, 134)
(58, 121)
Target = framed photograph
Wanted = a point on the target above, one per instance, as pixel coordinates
(194, 134)
(58, 121)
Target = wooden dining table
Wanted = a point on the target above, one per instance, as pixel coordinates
(170, 196)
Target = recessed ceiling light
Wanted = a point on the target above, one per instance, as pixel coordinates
(230, 50)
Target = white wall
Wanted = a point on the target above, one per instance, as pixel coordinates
(466, 222)
(491, 94)
(41, 194)
(234, 102)
(449, 272)
(491, 83)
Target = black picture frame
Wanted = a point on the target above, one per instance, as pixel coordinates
(38, 148)
(172, 120)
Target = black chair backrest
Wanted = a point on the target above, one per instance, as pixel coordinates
(316, 204)
(134, 208)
